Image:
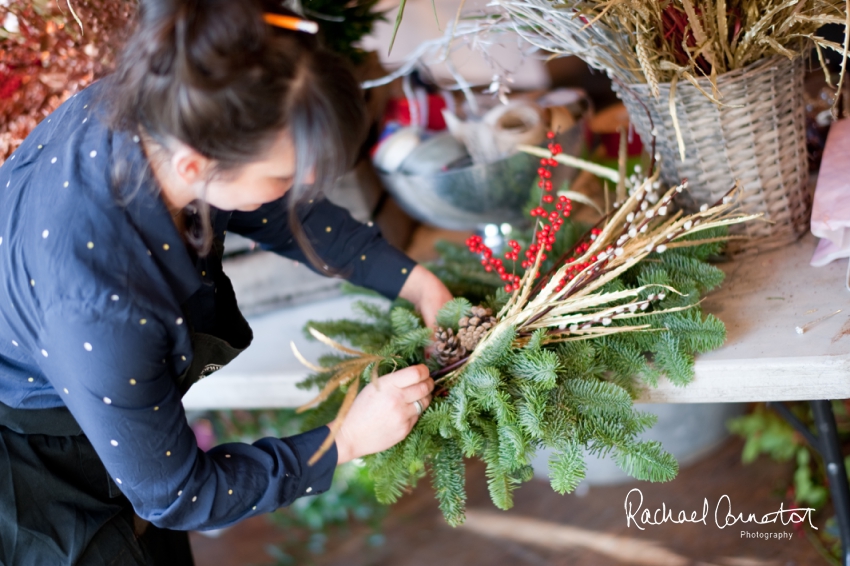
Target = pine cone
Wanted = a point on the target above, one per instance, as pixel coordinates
(472, 328)
(447, 347)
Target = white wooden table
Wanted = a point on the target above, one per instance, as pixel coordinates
(764, 299)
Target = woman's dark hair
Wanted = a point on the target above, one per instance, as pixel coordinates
(213, 75)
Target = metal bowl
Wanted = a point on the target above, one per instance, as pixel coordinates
(468, 197)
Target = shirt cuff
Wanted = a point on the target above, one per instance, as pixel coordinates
(386, 270)
(317, 478)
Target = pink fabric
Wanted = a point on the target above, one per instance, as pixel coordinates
(831, 207)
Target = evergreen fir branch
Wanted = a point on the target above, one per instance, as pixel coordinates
(652, 274)
(496, 301)
(499, 483)
(495, 347)
(639, 422)
(387, 470)
(471, 442)
(365, 336)
(437, 420)
(522, 474)
(324, 413)
(699, 334)
(404, 321)
(460, 410)
(673, 360)
(624, 360)
(535, 343)
(485, 380)
(579, 360)
(449, 481)
(452, 312)
(411, 345)
(378, 314)
(560, 424)
(317, 380)
(500, 486)
(648, 461)
(512, 446)
(703, 252)
(601, 435)
(567, 468)
(416, 446)
(595, 397)
(686, 270)
(501, 405)
(531, 411)
(540, 366)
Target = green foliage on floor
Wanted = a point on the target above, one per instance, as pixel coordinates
(513, 400)
(766, 433)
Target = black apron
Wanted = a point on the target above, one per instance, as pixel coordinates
(58, 505)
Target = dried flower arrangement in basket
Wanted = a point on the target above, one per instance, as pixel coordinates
(652, 42)
(718, 84)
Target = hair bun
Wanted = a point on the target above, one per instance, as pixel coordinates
(207, 44)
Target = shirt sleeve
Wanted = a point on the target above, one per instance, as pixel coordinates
(356, 250)
(114, 372)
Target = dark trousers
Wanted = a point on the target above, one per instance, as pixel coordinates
(58, 506)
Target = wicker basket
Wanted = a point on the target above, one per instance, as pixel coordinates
(758, 138)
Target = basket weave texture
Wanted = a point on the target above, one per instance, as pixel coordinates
(757, 137)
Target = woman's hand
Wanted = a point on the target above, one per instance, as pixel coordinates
(383, 414)
(426, 292)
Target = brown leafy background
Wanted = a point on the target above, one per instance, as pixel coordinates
(48, 57)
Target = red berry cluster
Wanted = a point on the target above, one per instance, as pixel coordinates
(546, 165)
(490, 263)
(544, 237)
(576, 268)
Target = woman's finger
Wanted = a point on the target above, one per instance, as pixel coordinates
(418, 390)
(407, 376)
(424, 402)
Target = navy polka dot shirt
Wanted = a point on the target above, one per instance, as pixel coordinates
(95, 285)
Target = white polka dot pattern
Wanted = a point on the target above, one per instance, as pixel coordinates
(124, 318)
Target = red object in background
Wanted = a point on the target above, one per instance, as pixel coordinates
(604, 128)
(9, 85)
(398, 110)
(611, 142)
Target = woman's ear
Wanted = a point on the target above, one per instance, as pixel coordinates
(190, 166)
